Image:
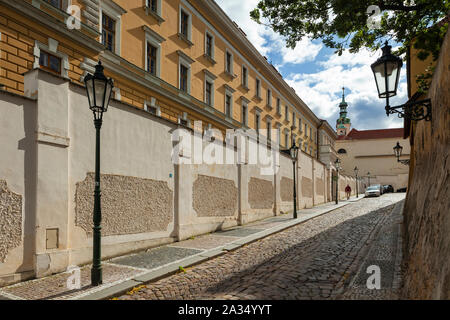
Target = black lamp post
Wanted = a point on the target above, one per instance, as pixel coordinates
(356, 174)
(99, 89)
(294, 154)
(398, 149)
(337, 164)
(387, 74)
(368, 176)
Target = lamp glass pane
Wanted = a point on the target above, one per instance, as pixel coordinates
(99, 91)
(109, 87)
(392, 74)
(90, 91)
(380, 79)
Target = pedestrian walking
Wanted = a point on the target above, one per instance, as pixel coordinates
(348, 191)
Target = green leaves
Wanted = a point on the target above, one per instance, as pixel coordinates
(343, 24)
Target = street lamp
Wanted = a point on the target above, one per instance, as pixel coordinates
(294, 154)
(356, 174)
(387, 74)
(368, 176)
(337, 164)
(99, 89)
(398, 149)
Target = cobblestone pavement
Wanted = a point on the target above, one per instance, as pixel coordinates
(323, 258)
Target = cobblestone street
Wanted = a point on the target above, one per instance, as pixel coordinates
(323, 258)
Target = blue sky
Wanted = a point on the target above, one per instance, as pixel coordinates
(318, 75)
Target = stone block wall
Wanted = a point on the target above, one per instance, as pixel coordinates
(427, 206)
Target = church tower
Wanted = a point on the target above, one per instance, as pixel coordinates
(343, 124)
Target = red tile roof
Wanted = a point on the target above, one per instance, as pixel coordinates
(373, 134)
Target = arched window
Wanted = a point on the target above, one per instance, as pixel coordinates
(342, 151)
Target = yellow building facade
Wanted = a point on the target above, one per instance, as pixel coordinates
(183, 60)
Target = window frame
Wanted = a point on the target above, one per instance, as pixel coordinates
(230, 71)
(48, 68)
(244, 113)
(185, 61)
(154, 39)
(269, 98)
(115, 12)
(258, 88)
(51, 48)
(189, 24)
(244, 76)
(213, 44)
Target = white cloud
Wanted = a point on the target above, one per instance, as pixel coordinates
(264, 39)
(322, 91)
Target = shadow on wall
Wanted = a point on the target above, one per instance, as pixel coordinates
(28, 145)
(281, 275)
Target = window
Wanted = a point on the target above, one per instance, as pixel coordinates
(184, 72)
(209, 45)
(310, 133)
(208, 93)
(286, 139)
(278, 135)
(153, 51)
(50, 62)
(152, 59)
(244, 115)
(185, 23)
(183, 120)
(48, 57)
(286, 113)
(184, 27)
(55, 3)
(244, 77)
(294, 122)
(108, 32)
(229, 62)
(300, 123)
(153, 5)
(306, 130)
(279, 106)
(269, 130)
(269, 97)
(184, 78)
(110, 15)
(228, 103)
(257, 122)
(258, 88)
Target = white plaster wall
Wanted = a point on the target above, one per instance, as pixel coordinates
(133, 143)
(305, 170)
(319, 173)
(17, 168)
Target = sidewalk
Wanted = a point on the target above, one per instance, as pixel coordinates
(123, 273)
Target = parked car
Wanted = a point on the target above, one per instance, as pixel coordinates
(388, 188)
(373, 191)
(401, 190)
(379, 186)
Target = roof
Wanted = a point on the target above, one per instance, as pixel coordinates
(373, 134)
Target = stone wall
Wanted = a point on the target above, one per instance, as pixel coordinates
(260, 193)
(214, 197)
(427, 206)
(10, 220)
(129, 205)
(287, 189)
